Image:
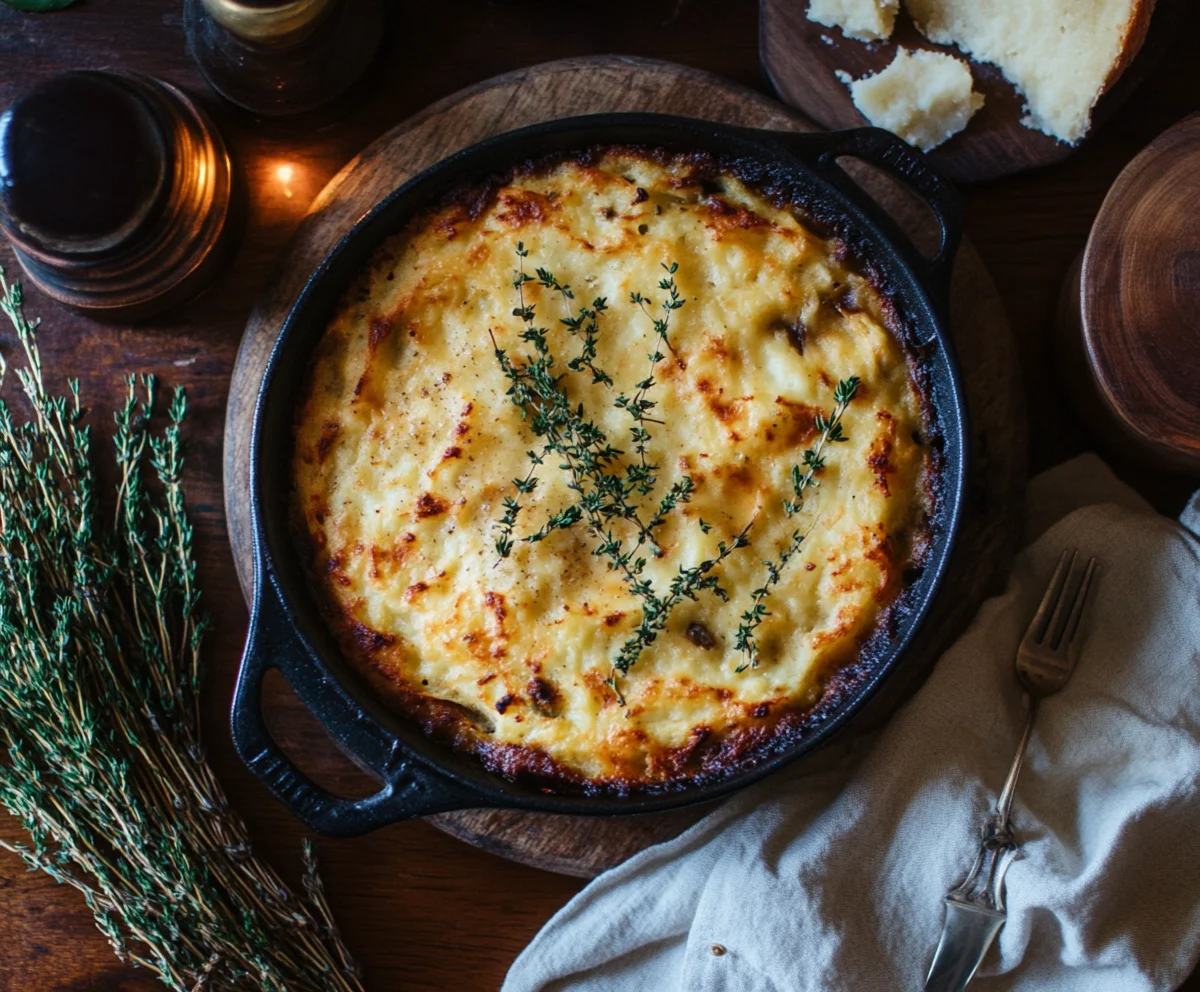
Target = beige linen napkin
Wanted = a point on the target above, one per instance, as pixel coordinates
(831, 876)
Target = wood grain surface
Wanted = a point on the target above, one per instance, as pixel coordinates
(578, 845)
(1132, 307)
(801, 58)
(422, 911)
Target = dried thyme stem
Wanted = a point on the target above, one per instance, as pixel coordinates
(101, 758)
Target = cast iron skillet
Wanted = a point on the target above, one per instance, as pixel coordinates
(286, 632)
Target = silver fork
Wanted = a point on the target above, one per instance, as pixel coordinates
(1045, 660)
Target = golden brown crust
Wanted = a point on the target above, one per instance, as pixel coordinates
(405, 445)
(1136, 29)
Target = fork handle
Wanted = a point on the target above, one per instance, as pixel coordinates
(1004, 804)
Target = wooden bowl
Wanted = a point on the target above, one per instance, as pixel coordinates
(1129, 315)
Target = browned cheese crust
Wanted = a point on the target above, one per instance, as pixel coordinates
(406, 445)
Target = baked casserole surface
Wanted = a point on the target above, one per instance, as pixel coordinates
(408, 442)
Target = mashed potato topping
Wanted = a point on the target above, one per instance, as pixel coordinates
(407, 445)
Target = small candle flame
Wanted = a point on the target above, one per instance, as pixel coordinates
(284, 174)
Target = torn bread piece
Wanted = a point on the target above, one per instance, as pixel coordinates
(924, 97)
(866, 20)
(1060, 54)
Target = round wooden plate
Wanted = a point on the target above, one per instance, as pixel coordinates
(801, 58)
(584, 846)
(1129, 318)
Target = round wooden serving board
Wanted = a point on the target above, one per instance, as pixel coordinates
(1129, 319)
(584, 846)
(801, 58)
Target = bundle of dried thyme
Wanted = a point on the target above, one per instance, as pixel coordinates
(100, 753)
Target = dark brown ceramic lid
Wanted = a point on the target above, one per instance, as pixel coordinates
(115, 191)
(1140, 298)
(83, 163)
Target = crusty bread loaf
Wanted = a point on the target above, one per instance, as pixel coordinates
(867, 20)
(925, 97)
(1060, 54)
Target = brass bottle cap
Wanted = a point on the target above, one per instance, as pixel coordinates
(263, 22)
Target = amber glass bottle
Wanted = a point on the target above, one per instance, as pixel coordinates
(280, 58)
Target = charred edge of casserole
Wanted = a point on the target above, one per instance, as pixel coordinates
(723, 754)
(708, 759)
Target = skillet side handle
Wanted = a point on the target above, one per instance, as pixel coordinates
(410, 788)
(912, 168)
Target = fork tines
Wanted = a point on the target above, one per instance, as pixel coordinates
(1056, 623)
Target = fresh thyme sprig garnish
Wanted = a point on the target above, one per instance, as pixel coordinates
(688, 581)
(814, 460)
(642, 475)
(586, 323)
(606, 484)
(101, 758)
(542, 398)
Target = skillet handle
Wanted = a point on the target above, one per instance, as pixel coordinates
(911, 167)
(410, 787)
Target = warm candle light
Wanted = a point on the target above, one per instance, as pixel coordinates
(284, 174)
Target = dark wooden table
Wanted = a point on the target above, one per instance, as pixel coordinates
(421, 910)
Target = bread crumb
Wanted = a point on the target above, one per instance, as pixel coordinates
(867, 20)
